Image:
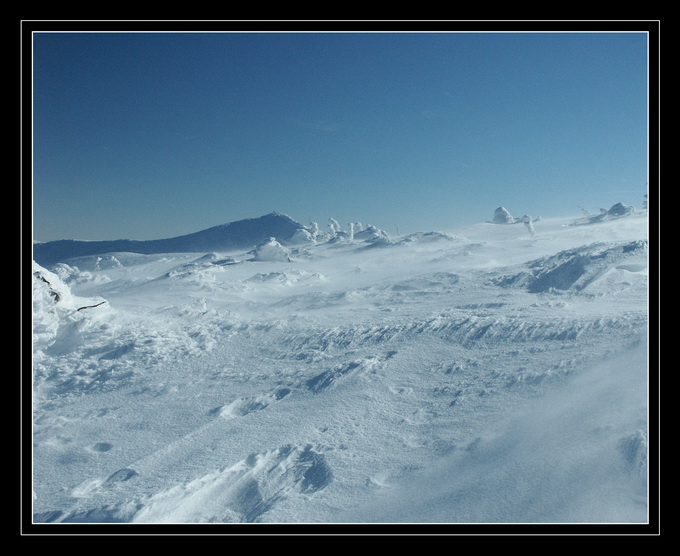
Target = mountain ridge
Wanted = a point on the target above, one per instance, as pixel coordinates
(240, 234)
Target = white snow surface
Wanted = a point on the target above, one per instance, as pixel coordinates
(477, 375)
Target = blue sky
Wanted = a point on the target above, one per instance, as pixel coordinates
(153, 135)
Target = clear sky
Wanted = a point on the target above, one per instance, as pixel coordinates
(154, 135)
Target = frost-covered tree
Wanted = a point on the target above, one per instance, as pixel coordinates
(619, 209)
(502, 216)
(528, 222)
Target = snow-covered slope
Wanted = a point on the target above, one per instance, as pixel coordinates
(477, 375)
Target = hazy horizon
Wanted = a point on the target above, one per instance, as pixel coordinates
(153, 135)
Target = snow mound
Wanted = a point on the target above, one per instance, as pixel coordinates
(288, 277)
(49, 290)
(51, 300)
(202, 268)
(428, 237)
(270, 251)
(55, 307)
(244, 492)
(215, 259)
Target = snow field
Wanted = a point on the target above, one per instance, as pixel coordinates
(437, 378)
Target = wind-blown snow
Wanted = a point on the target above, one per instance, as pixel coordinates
(478, 375)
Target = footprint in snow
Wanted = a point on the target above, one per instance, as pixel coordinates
(331, 377)
(120, 476)
(245, 406)
(92, 486)
(319, 383)
(101, 447)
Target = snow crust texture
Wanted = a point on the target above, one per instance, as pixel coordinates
(481, 375)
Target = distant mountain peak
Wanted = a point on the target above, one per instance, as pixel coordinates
(238, 235)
